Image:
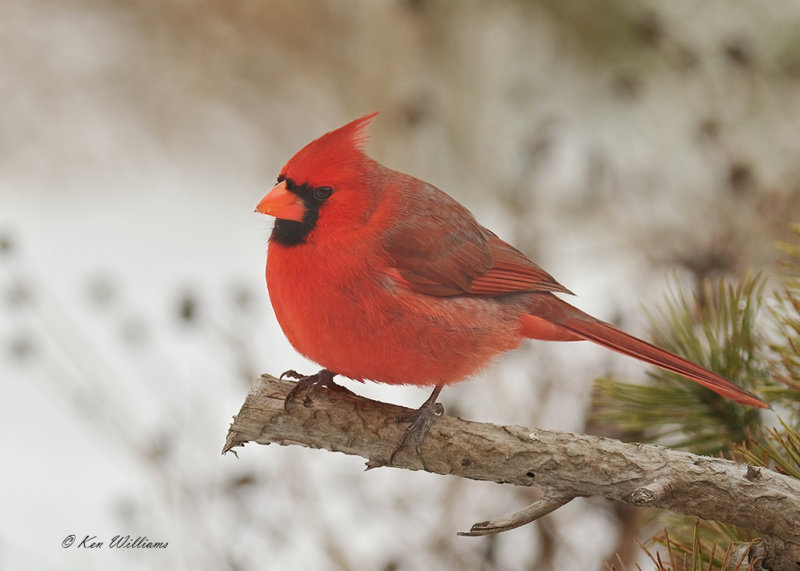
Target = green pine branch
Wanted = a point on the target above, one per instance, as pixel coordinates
(700, 552)
(776, 448)
(749, 337)
(716, 329)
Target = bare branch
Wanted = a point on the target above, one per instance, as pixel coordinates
(564, 465)
(539, 508)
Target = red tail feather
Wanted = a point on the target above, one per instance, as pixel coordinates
(556, 320)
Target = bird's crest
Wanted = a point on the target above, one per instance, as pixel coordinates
(332, 155)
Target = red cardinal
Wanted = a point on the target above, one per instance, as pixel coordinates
(379, 276)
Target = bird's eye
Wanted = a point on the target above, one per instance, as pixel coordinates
(322, 193)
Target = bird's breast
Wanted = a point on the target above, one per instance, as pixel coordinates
(351, 315)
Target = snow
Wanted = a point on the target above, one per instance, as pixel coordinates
(135, 144)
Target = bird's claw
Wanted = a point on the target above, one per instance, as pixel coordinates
(420, 423)
(292, 374)
(320, 380)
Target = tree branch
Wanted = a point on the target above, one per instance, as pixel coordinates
(564, 465)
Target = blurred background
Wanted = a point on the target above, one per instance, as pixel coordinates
(617, 143)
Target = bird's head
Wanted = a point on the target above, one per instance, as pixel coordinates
(326, 183)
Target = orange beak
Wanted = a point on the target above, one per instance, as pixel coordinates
(283, 204)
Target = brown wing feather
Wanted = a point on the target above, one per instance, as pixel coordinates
(512, 271)
(439, 249)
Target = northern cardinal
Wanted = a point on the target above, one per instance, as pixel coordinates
(377, 275)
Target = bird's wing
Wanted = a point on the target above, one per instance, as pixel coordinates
(512, 271)
(438, 248)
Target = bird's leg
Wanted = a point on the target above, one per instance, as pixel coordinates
(420, 420)
(322, 379)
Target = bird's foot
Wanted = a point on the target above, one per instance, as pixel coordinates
(420, 422)
(315, 382)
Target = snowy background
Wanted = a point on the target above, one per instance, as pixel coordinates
(614, 142)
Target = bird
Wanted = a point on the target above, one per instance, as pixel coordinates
(376, 275)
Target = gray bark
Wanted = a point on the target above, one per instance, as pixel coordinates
(563, 465)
